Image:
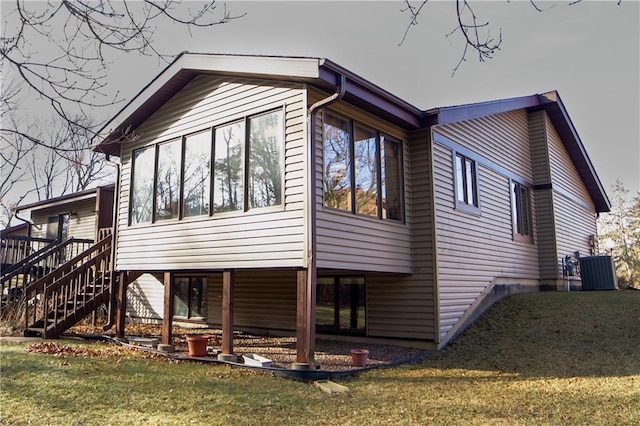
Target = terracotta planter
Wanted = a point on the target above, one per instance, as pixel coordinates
(197, 344)
(359, 357)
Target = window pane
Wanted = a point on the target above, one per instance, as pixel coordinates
(168, 180)
(524, 203)
(228, 189)
(391, 169)
(521, 208)
(197, 158)
(53, 227)
(460, 180)
(181, 298)
(195, 299)
(337, 163)
(366, 171)
(142, 186)
(265, 160)
(470, 175)
(325, 302)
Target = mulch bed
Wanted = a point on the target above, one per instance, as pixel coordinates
(332, 355)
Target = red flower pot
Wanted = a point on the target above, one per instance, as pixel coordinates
(197, 344)
(359, 357)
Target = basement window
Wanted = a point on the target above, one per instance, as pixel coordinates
(340, 305)
(189, 298)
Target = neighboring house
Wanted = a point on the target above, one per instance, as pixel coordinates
(291, 195)
(78, 215)
(53, 233)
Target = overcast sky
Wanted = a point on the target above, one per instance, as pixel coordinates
(589, 52)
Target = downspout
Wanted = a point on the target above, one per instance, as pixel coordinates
(311, 265)
(28, 222)
(114, 237)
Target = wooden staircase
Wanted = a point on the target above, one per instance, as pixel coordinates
(33, 261)
(69, 293)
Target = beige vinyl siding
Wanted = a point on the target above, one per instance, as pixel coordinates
(575, 225)
(263, 299)
(352, 242)
(501, 138)
(145, 297)
(574, 211)
(545, 223)
(473, 250)
(546, 227)
(271, 237)
(539, 148)
(81, 225)
(404, 306)
(564, 174)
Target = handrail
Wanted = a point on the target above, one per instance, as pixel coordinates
(51, 257)
(69, 284)
(33, 257)
(15, 248)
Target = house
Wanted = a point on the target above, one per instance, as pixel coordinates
(79, 215)
(290, 195)
(52, 233)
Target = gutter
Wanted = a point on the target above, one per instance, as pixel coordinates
(114, 240)
(28, 222)
(312, 261)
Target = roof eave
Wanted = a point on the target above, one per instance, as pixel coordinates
(180, 72)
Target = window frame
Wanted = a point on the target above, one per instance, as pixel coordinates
(211, 130)
(362, 302)
(380, 137)
(516, 189)
(202, 298)
(463, 205)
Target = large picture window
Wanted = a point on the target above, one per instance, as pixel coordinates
(466, 184)
(362, 169)
(337, 163)
(228, 188)
(168, 180)
(340, 305)
(142, 186)
(236, 166)
(189, 297)
(265, 160)
(197, 174)
(521, 211)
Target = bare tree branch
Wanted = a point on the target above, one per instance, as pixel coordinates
(475, 33)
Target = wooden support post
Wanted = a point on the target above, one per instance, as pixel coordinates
(301, 315)
(121, 303)
(228, 279)
(167, 317)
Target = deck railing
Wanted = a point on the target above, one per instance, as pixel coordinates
(69, 292)
(16, 277)
(14, 249)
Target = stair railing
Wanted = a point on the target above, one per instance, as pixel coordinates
(60, 293)
(15, 278)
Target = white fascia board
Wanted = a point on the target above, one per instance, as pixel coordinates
(252, 65)
(267, 66)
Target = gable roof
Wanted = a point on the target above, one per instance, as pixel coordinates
(326, 75)
(86, 194)
(321, 73)
(552, 104)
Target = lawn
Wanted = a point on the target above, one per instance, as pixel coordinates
(546, 358)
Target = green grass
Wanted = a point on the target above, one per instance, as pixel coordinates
(548, 358)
